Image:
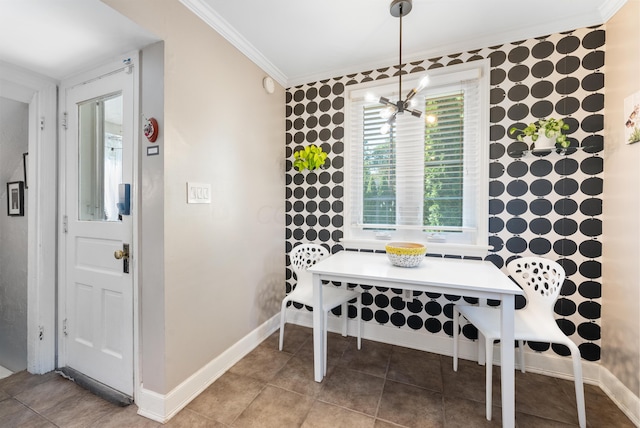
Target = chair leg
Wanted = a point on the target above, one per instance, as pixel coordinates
(359, 319)
(283, 320)
(489, 374)
(482, 349)
(577, 375)
(456, 326)
(521, 354)
(345, 317)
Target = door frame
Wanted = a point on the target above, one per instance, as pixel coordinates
(40, 93)
(131, 59)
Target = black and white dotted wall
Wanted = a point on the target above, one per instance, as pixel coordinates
(539, 204)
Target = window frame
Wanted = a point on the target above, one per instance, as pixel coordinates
(354, 236)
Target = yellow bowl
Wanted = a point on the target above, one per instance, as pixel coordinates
(405, 254)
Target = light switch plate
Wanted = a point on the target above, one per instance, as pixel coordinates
(198, 193)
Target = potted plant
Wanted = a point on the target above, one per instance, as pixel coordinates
(546, 133)
(311, 157)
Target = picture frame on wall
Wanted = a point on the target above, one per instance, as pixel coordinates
(632, 118)
(15, 198)
(25, 165)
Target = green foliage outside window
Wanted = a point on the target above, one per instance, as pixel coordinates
(443, 166)
(443, 173)
(379, 182)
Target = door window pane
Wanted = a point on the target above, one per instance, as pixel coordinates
(99, 158)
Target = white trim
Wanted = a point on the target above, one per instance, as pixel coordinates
(41, 270)
(205, 11)
(550, 365)
(135, 213)
(161, 408)
(127, 59)
(542, 363)
(481, 41)
(469, 244)
(432, 247)
(622, 396)
(40, 93)
(519, 32)
(20, 84)
(610, 8)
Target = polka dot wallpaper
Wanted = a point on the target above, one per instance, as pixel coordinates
(539, 204)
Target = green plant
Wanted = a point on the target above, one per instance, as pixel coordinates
(311, 157)
(551, 127)
(635, 135)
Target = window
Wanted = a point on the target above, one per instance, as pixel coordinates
(425, 180)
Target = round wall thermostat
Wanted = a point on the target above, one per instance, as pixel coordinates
(268, 84)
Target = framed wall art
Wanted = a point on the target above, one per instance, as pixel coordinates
(632, 118)
(25, 165)
(15, 198)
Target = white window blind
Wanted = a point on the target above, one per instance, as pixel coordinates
(425, 177)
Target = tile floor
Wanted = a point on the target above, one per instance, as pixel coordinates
(381, 386)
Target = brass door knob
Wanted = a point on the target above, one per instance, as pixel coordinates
(119, 254)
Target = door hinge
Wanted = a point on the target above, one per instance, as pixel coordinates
(64, 120)
(65, 224)
(42, 123)
(41, 332)
(64, 327)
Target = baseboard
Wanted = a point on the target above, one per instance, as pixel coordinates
(551, 365)
(622, 396)
(542, 363)
(161, 408)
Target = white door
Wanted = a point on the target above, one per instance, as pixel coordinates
(96, 308)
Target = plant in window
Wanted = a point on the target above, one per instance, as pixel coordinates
(550, 128)
(311, 157)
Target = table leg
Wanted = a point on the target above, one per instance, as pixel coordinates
(507, 361)
(318, 334)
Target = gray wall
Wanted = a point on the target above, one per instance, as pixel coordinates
(218, 267)
(14, 119)
(151, 216)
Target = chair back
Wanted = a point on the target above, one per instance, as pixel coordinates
(304, 256)
(540, 278)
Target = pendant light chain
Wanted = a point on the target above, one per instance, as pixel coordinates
(400, 56)
(398, 9)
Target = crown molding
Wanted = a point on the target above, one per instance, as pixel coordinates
(479, 42)
(610, 8)
(202, 10)
(219, 24)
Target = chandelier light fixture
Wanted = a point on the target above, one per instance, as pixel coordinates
(398, 9)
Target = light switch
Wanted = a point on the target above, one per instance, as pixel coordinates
(198, 193)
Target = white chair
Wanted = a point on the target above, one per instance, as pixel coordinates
(303, 257)
(541, 279)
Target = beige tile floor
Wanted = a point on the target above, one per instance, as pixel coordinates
(380, 386)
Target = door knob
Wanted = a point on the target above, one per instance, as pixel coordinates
(122, 254)
(119, 254)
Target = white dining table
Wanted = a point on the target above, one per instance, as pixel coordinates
(462, 277)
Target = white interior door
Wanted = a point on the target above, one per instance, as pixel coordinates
(97, 296)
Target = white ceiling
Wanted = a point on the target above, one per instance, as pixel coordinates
(295, 41)
(58, 38)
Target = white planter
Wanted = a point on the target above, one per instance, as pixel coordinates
(544, 143)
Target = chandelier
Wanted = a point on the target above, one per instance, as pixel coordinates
(398, 9)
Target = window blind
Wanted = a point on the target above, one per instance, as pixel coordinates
(421, 175)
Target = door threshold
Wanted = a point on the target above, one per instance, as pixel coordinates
(100, 389)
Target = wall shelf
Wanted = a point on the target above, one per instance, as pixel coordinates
(560, 151)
